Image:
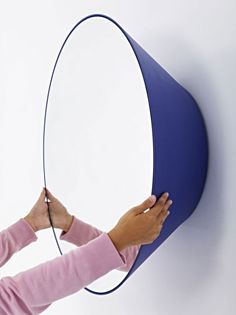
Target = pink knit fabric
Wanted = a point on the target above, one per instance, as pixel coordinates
(81, 233)
(33, 290)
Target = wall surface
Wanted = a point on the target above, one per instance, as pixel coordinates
(193, 272)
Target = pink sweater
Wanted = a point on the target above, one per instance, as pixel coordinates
(33, 290)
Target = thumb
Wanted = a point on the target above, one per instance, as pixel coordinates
(42, 195)
(148, 203)
(49, 194)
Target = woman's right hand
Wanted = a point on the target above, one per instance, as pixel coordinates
(61, 218)
(138, 227)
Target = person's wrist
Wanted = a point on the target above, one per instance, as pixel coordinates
(117, 239)
(31, 222)
(67, 222)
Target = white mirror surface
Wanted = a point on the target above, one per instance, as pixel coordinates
(98, 145)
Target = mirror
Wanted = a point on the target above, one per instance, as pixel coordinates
(98, 133)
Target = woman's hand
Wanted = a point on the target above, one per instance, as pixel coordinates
(138, 227)
(38, 217)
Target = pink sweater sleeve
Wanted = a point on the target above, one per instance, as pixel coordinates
(14, 238)
(33, 290)
(81, 233)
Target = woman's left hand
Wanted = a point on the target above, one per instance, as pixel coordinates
(38, 216)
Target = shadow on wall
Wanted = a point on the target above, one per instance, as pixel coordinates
(193, 249)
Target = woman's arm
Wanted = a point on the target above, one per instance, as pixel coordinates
(14, 238)
(80, 233)
(32, 291)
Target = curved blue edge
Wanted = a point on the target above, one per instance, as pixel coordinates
(180, 144)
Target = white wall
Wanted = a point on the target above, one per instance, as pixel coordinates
(193, 272)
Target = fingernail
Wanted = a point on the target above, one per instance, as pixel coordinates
(170, 202)
(152, 198)
(166, 194)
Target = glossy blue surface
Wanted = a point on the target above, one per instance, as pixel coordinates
(180, 145)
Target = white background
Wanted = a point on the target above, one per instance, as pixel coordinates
(193, 272)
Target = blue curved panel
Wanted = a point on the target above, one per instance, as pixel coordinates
(180, 144)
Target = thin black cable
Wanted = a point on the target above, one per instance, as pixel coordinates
(45, 187)
(50, 219)
(44, 168)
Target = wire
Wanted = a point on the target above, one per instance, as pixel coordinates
(44, 171)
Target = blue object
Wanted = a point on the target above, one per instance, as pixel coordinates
(180, 144)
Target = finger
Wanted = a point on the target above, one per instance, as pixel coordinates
(163, 218)
(160, 223)
(50, 195)
(164, 211)
(166, 206)
(41, 196)
(156, 210)
(149, 202)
